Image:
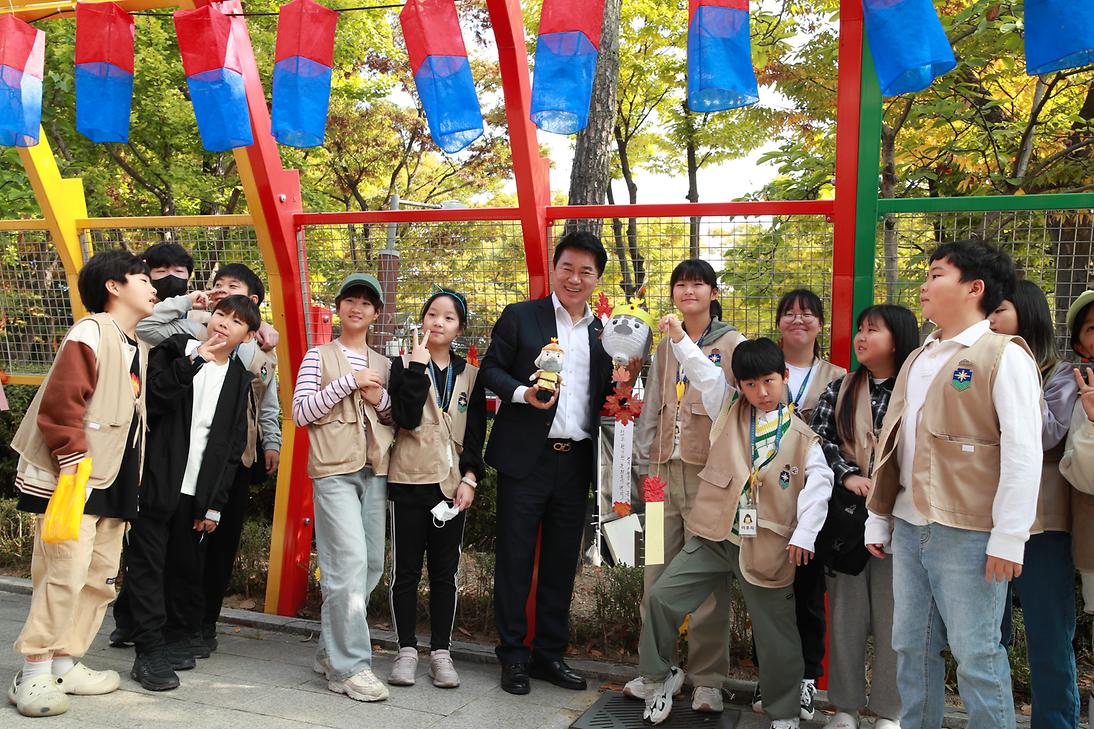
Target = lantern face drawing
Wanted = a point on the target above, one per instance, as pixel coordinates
(908, 43)
(104, 71)
(442, 74)
(304, 59)
(720, 73)
(214, 77)
(1059, 35)
(22, 60)
(565, 65)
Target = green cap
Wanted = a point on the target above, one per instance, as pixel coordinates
(360, 279)
(1073, 311)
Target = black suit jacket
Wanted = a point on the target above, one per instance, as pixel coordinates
(520, 430)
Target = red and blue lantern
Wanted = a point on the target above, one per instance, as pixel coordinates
(303, 63)
(215, 78)
(104, 71)
(566, 55)
(720, 73)
(442, 74)
(22, 60)
(908, 43)
(1059, 35)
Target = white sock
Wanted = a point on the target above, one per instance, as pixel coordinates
(40, 667)
(62, 665)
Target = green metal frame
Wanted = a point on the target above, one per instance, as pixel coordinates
(1060, 201)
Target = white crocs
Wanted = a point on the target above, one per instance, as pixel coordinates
(39, 695)
(82, 681)
(842, 720)
(707, 700)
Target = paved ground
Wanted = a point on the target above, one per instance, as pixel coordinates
(263, 679)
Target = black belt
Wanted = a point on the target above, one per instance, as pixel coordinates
(563, 445)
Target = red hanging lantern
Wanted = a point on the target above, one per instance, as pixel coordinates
(104, 71)
(22, 61)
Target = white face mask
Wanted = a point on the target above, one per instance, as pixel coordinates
(442, 512)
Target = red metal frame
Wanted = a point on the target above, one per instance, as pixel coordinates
(684, 210)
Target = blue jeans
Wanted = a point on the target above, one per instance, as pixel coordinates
(941, 597)
(1047, 593)
(350, 514)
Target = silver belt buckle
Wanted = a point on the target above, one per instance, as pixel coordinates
(562, 447)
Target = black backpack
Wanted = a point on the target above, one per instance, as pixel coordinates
(841, 544)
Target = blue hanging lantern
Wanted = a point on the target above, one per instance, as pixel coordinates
(909, 46)
(104, 71)
(1059, 35)
(566, 55)
(442, 74)
(302, 73)
(22, 61)
(720, 73)
(214, 77)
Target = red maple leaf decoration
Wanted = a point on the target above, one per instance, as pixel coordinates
(472, 356)
(623, 508)
(653, 487)
(603, 307)
(3, 377)
(622, 405)
(621, 375)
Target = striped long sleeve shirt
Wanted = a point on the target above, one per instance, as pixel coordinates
(310, 402)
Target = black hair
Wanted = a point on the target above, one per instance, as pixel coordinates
(243, 307)
(696, 269)
(249, 278)
(112, 265)
(805, 299)
(754, 358)
(1077, 325)
(583, 240)
(457, 298)
(168, 254)
(980, 260)
(901, 323)
(361, 290)
(1035, 323)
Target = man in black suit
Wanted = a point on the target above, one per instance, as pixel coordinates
(545, 457)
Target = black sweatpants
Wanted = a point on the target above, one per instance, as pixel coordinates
(163, 577)
(553, 497)
(221, 548)
(414, 537)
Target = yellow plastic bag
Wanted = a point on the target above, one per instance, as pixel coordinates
(66, 506)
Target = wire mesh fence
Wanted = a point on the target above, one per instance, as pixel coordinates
(1052, 248)
(35, 308)
(484, 260)
(757, 258)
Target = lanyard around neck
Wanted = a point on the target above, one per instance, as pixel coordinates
(805, 383)
(681, 378)
(444, 398)
(755, 450)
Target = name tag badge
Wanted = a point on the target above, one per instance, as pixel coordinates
(746, 522)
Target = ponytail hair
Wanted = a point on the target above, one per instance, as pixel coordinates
(696, 269)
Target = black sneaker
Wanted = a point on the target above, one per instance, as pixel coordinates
(809, 690)
(209, 635)
(180, 656)
(153, 671)
(757, 700)
(121, 638)
(198, 647)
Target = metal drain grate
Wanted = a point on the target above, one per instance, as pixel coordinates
(615, 711)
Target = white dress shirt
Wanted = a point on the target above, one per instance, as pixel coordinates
(208, 383)
(1016, 394)
(572, 411)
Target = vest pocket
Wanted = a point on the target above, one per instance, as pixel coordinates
(764, 556)
(964, 475)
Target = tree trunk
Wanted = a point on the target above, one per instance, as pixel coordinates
(890, 247)
(626, 281)
(693, 181)
(589, 176)
(636, 259)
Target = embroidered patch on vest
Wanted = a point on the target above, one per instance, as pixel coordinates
(461, 402)
(962, 376)
(264, 373)
(784, 478)
(715, 356)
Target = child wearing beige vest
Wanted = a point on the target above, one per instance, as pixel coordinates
(341, 397)
(439, 406)
(1077, 462)
(762, 500)
(688, 379)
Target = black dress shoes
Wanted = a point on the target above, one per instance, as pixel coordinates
(556, 672)
(514, 678)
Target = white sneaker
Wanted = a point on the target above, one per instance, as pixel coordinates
(785, 724)
(321, 665)
(757, 699)
(809, 690)
(442, 671)
(82, 681)
(361, 686)
(707, 700)
(659, 700)
(842, 720)
(639, 688)
(886, 724)
(405, 667)
(39, 695)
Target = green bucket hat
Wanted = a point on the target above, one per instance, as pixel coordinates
(359, 279)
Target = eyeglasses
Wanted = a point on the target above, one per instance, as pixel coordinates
(807, 317)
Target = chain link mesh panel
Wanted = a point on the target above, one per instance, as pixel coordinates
(484, 260)
(1052, 248)
(35, 309)
(757, 259)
